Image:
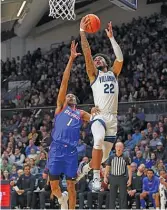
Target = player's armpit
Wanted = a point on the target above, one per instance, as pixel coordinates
(117, 67)
(85, 116)
(90, 67)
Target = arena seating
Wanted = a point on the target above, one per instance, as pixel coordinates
(144, 74)
(26, 132)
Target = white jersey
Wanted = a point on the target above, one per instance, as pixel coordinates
(105, 92)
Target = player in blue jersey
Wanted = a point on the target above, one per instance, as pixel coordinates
(63, 156)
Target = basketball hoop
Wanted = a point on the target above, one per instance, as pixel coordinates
(62, 8)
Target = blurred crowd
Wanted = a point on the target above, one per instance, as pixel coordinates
(25, 144)
(144, 74)
(25, 135)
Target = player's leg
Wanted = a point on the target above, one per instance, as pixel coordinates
(110, 137)
(98, 131)
(56, 167)
(71, 166)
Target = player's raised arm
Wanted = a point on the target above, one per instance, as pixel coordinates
(90, 67)
(66, 76)
(118, 63)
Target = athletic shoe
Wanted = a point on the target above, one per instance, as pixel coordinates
(63, 201)
(83, 171)
(96, 185)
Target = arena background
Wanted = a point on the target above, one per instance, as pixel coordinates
(34, 30)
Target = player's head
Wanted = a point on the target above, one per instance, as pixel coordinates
(102, 62)
(71, 99)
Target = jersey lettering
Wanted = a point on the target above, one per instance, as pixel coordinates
(108, 88)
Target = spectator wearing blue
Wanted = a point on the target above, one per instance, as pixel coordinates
(137, 136)
(30, 146)
(139, 158)
(81, 148)
(152, 161)
(150, 189)
(130, 143)
(154, 141)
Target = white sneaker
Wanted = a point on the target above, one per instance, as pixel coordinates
(63, 201)
(96, 185)
(84, 170)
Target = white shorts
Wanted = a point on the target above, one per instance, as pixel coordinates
(110, 122)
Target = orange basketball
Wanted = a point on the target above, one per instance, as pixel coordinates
(94, 24)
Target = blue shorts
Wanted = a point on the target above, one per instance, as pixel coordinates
(63, 159)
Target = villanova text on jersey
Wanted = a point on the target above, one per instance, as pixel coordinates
(67, 127)
(107, 78)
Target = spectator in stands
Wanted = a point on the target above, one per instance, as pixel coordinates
(139, 158)
(33, 135)
(16, 135)
(41, 163)
(154, 141)
(152, 161)
(158, 166)
(161, 153)
(33, 168)
(25, 187)
(136, 188)
(6, 175)
(13, 174)
(17, 158)
(6, 165)
(150, 189)
(130, 143)
(133, 167)
(30, 147)
(137, 136)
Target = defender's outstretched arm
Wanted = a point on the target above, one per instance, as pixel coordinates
(90, 67)
(66, 76)
(118, 63)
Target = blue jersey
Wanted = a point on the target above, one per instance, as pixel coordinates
(67, 127)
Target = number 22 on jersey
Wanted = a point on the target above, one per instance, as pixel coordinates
(108, 88)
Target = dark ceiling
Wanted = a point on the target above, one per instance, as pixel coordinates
(79, 4)
(5, 35)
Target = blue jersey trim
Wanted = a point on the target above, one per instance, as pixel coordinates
(95, 78)
(111, 139)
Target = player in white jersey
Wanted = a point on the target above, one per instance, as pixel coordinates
(104, 83)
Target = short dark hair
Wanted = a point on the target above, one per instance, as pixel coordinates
(25, 166)
(149, 169)
(106, 57)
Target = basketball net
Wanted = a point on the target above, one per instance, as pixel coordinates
(62, 9)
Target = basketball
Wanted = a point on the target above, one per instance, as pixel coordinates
(94, 24)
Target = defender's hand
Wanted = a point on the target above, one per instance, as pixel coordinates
(84, 23)
(95, 110)
(74, 53)
(109, 30)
